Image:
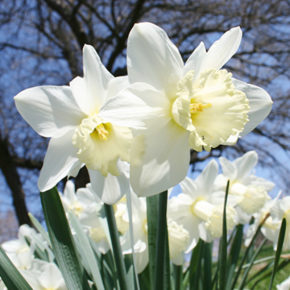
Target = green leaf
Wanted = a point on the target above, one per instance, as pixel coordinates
(195, 265)
(234, 253)
(207, 262)
(10, 275)
(118, 256)
(62, 241)
(253, 257)
(152, 216)
(177, 272)
(86, 251)
(160, 281)
(278, 251)
(223, 249)
(247, 252)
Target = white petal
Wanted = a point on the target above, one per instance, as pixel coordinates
(110, 188)
(116, 85)
(188, 186)
(152, 57)
(136, 106)
(195, 60)
(245, 164)
(96, 79)
(229, 170)
(60, 158)
(223, 49)
(206, 179)
(260, 104)
(164, 164)
(50, 110)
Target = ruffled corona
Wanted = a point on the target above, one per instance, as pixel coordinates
(178, 238)
(100, 144)
(210, 108)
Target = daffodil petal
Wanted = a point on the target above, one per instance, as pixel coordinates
(116, 85)
(110, 188)
(206, 179)
(245, 164)
(188, 186)
(152, 57)
(96, 78)
(60, 158)
(51, 111)
(136, 106)
(228, 168)
(195, 60)
(260, 104)
(223, 49)
(163, 164)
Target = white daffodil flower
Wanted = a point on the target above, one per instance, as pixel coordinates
(194, 105)
(198, 209)
(178, 239)
(44, 276)
(19, 252)
(250, 191)
(279, 211)
(75, 118)
(86, 206)
(270, 226)
(139, 221)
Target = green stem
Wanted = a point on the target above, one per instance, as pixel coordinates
(161, 242)
(152, 214)
(119, 260)
(178, 276)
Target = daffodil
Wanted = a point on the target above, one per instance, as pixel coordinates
(194, 105)
(250, 191)
(74, 117)
(86, 206)
(139, 223)
(280, 211)
(198, 209)
(44, 276)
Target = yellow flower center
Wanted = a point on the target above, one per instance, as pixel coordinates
(210, 108)
(101, 132)
(100, 144)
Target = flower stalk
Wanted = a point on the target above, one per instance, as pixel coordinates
(119, 259)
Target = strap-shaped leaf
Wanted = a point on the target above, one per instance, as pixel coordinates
(10, 275)
(62, 241)
(278, 251)
(85, 249)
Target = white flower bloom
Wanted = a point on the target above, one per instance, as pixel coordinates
(139, 220)
(178, 239)
(20, 254)
(194, 105)
(81, 202)
(44, 276)
(281, 210)
(86, 206)
(198, 209)
(74, 117)
(285, 285)
(250, 192)
(270, 226)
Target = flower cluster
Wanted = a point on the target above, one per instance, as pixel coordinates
(39, 270)
(145, 122)
(193, 214)
(134, 135)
